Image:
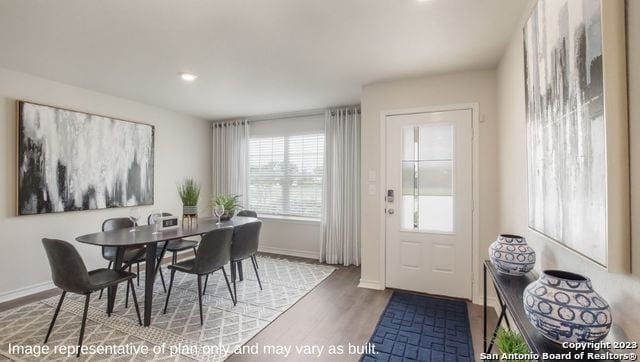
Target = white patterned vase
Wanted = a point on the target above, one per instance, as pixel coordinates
(564, 307)
(511, 255)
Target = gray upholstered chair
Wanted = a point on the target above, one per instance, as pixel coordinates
(70, 274)
(245, 242)
(132, 254)
(174, 246)
(248, 213)
(214, 252)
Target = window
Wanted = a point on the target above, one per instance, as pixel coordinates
(427, 177)
(285, 171)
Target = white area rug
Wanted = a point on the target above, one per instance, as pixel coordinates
(175, 336)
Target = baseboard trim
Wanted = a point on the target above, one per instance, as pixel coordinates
(26, 291)
(370, 284)
(289, 252)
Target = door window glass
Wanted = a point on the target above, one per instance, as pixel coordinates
(427, 178)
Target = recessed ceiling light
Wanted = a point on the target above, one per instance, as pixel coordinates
(188, 77)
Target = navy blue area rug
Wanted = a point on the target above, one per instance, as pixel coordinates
(420, 328)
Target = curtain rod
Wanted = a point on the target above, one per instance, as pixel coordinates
(287, 115)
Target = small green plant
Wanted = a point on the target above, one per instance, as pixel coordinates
(231, 203)
(189, 191)
(511, 343)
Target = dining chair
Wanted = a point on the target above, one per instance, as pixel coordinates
(132, 254)
(244, 246)
(247, 213)
(174, 246)
(214, 252)
(70, 274)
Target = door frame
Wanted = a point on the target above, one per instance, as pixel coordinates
(475, 161)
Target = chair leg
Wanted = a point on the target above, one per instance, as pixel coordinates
(55, 315)
(138, 273)
(233, 279)
(126, 299)
(174, 257)
(233, 298)
(200, 297)
(255, 269)
(173, 273)
(84, 322)
(102, 290)
(162, 279)
(135, 300)
(206, 280)
(195, 251)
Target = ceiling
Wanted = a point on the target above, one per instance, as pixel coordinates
(251, 56)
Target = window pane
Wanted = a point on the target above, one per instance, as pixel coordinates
(436, 213)
(285, 175)
(427, 178)
(435, 142)
(435, 178)
(408, 144)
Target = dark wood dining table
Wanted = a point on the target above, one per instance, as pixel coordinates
(146, 235)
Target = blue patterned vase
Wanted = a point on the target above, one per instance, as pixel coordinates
(511, 255)
(564, 308)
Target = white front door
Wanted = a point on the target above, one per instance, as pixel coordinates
(429, 202)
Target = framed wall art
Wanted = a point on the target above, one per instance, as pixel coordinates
(577, 145)
(72, 161)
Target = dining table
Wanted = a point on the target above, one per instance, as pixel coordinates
(149, 236)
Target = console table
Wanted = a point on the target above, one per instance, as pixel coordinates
(509, 290)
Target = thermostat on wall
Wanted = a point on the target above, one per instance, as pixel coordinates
(168, 223)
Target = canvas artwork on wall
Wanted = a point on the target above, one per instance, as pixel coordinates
(566, 140)
(70, 161)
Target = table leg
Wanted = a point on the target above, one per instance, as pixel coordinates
(503, 315)
(503, 307)
(117, 265)
(240, 271)
(495, 331)
(484, 306)
(164, 249)
(149, 279)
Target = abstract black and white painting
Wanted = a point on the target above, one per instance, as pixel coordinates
(565, 125)
(71, 161)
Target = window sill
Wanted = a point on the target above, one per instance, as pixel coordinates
(289, 219)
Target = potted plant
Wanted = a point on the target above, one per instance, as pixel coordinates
(511, 344)
(189, 191)
(230, 202)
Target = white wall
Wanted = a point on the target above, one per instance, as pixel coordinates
(182, 148)
(290, 237)
(469, 87)
(621, 291)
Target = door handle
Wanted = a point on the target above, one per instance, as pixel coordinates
(390, 211)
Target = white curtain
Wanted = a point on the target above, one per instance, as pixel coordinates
(340, 236)
(231, 158)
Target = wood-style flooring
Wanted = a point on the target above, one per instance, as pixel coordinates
(336, 312)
